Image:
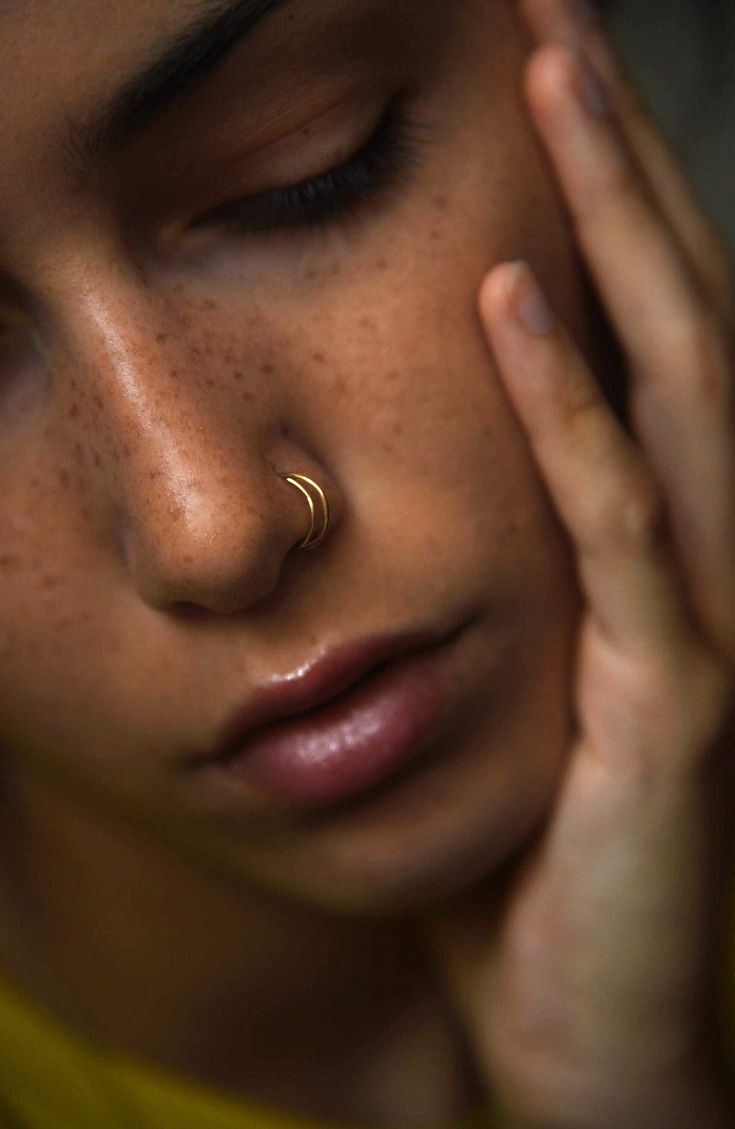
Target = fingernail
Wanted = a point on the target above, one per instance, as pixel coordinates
(590, 86)
(531, 306)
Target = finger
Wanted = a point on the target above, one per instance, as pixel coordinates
(596, 476)
(572, 21)
(682, 394)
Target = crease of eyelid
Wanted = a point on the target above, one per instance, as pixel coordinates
(393, 148)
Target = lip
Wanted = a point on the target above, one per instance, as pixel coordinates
(342, 723)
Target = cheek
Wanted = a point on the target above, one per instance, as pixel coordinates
(34, 591)
(390, 373)
(54, 593)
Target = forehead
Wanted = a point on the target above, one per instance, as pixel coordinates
(66, 63)
(58, 57)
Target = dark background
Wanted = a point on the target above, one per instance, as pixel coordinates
(683, 54)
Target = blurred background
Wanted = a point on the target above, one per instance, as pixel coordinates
(683, 54)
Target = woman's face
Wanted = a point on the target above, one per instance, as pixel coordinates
(166, 353)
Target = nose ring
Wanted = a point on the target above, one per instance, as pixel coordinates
(317, 530)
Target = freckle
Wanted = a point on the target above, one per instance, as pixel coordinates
(311, 274)
(209, 304)
(435, 235)
(247, 396)
(336, 268)
(97, 459)
(64, 478)
(188, 559)
(98, 401)
(9, 560)
(366, 323)
(73, 385)
(73, 412)
(126, 451)
(398, 428)
(267, 369)
(382, 264)
(196, 351)
(319, 358)
(209, 382)
(33, 482)
(161, 338)
(441, 202)
(388, 448)
(238, 375)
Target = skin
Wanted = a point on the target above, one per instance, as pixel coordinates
(160, 373)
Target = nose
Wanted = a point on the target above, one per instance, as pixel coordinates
(204, 518)
(203, 528)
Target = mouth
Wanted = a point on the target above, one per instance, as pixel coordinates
(343, 724)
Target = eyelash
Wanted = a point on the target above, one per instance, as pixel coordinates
(391, 151)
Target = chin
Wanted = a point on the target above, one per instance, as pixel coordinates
(412, 869)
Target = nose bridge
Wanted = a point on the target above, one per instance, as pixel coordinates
(203, 515)
(152, 398)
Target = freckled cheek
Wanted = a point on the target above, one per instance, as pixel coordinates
(45, 565)
(401, 371)
(399, 366)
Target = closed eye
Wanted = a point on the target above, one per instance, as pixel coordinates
(380, 162)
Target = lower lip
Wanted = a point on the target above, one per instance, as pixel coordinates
(354, 742)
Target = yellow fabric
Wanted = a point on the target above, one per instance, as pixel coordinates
(50, 1078)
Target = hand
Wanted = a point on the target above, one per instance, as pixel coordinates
(588, 986)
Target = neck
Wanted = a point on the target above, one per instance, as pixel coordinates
(140, 949)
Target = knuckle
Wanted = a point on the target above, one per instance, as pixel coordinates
(638, 515)
(616, 188)
(703, 358)
(685, 699)
(632, 519)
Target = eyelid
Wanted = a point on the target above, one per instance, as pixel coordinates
(390, 147)
(320, 140)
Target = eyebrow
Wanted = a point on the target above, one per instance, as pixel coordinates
(185, 61)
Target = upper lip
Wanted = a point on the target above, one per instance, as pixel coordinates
(314, 684)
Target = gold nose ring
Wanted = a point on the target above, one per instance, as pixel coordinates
(317, 529)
